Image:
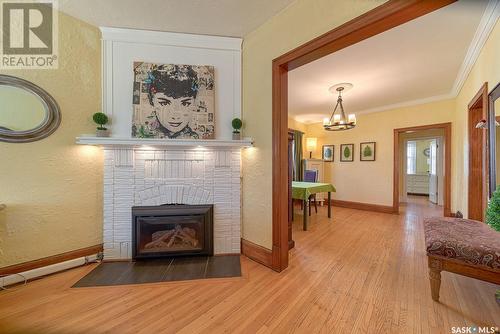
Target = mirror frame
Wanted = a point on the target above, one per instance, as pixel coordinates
(52, 118)
(492, 129)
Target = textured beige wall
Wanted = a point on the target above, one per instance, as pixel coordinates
(298, 23)
(372, 181)
(53, 188)
(486, 69)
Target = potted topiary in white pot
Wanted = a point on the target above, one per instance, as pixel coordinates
(237, 124)
(101, 119)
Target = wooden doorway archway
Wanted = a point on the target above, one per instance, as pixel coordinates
(447, 164)
(387, 16)
(478, 166)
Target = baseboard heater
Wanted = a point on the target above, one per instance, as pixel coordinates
(47, 270)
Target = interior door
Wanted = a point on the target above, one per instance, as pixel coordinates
(433, 177)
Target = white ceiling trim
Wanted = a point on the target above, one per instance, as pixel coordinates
(170, 38)
(483, 31)
(409, 103)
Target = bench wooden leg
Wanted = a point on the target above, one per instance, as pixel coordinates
(435, 268)
(435, 279)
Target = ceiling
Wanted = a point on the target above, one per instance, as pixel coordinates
(234, 18)
(417, 61)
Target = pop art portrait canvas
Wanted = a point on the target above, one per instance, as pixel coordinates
(173, 101)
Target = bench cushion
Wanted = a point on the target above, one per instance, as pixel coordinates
(463, 240)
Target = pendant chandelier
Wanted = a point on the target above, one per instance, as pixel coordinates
(338, 120)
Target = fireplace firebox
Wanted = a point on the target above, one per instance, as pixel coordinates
(172, 230)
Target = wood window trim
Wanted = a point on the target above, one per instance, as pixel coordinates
(382, 18)
(446, 127)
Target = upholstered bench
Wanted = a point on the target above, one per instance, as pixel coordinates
(461, 246)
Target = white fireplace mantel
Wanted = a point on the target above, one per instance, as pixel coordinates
(150, 172)
(137, 142)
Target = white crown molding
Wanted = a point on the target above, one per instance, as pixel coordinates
(486, 25)
(170, 38)
(411, 103)
(387, 107)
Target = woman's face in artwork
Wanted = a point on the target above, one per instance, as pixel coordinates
(173, 113)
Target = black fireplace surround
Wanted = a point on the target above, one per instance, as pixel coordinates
(172, 230)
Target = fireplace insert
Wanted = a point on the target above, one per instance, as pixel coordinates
(172, 230)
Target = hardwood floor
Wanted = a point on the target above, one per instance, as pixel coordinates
(362, 272)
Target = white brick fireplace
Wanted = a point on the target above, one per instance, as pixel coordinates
(150, 172)
(155, 176)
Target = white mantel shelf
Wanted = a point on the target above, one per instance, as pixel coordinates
(134, 142)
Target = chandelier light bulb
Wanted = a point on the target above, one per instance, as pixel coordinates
(352, 118)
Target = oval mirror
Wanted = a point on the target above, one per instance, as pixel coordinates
(27, 112)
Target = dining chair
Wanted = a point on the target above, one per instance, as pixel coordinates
(311, 175)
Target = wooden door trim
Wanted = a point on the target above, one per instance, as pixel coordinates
(479, 101)
(382, 18)
(447, 164)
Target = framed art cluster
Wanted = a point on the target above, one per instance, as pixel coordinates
(366, 152)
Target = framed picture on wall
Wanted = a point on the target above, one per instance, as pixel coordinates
(367, 151)
(328, 153)
(173, 101)
(347, 152)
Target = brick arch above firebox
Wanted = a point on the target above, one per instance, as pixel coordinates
(173, 194)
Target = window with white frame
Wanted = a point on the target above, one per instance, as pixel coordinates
(411, 157)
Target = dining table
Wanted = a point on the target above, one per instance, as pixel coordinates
(302, 191)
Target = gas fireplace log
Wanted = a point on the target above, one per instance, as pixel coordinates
(160, 241)
(191, 232)
(187, 237)
(168, 239)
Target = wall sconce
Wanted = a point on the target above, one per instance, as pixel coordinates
(482, 124)
(311, 145)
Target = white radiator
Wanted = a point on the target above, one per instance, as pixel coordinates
(53, 268)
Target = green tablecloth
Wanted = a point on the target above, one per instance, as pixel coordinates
(302, 190)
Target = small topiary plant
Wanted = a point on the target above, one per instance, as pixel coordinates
(493, 211)
(237, 124)
(100, 119)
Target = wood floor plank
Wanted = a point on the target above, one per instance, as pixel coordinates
(359, 271)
